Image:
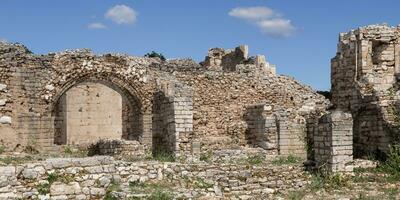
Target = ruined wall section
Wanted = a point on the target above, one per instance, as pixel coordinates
(364, 81)
(220, 99)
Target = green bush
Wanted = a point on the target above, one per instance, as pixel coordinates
(154, 54)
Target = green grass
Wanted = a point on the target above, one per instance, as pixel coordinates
(289, 160)
(9, 160)
(164, 157)
(256, 160)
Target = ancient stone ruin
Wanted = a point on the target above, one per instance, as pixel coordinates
(231, 106)
(176, 106)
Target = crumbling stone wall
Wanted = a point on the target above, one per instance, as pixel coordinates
(186, 103)
(364, 78)
(90, 178)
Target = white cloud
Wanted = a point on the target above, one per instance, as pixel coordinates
(97, 25)
(252, 13)
(276, 27)
(3, 40)
(269, 21)
(121, 14)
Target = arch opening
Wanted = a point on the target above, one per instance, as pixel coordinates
(91, 110)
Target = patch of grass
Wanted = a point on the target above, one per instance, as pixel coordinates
(164, 157)
(296, 194)
(362, 196)
(207, 156)
(255, 160)
(113, 187)
(289, 160)
(10, 160)
(2, 149)
(160, 195)
(392, 193)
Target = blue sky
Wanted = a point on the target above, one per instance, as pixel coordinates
(299, 37)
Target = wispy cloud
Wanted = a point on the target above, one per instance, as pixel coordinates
(96, 25)
(122, 14)
(267, 20)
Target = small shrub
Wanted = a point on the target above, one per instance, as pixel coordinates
(43, 188)
(154, 54)
(53, 177)
(206, 157)
(68, 150)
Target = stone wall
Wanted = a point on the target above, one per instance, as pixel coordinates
(364, 82)
(333, 142)
(197, 108)
(90, 178)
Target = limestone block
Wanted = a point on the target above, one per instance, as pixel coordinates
(58, 188)
(3, 87)
(3, 102)
(5, 120)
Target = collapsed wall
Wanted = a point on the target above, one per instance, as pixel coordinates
(364, 78)
(174, 105)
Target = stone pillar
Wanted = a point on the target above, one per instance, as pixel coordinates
(333, 142)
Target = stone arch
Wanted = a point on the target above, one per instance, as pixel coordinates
(131, 106)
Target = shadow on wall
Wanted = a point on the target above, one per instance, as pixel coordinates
(163, 141)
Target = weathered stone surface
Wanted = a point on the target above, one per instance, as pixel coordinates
(365, 74)
(5, 120)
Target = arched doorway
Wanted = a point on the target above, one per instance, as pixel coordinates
(91, 110)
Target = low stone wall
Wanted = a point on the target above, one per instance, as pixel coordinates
(89, 178)
(119, 148)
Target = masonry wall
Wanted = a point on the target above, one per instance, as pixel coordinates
(364, 82)
(89, 178)
(219, 98)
